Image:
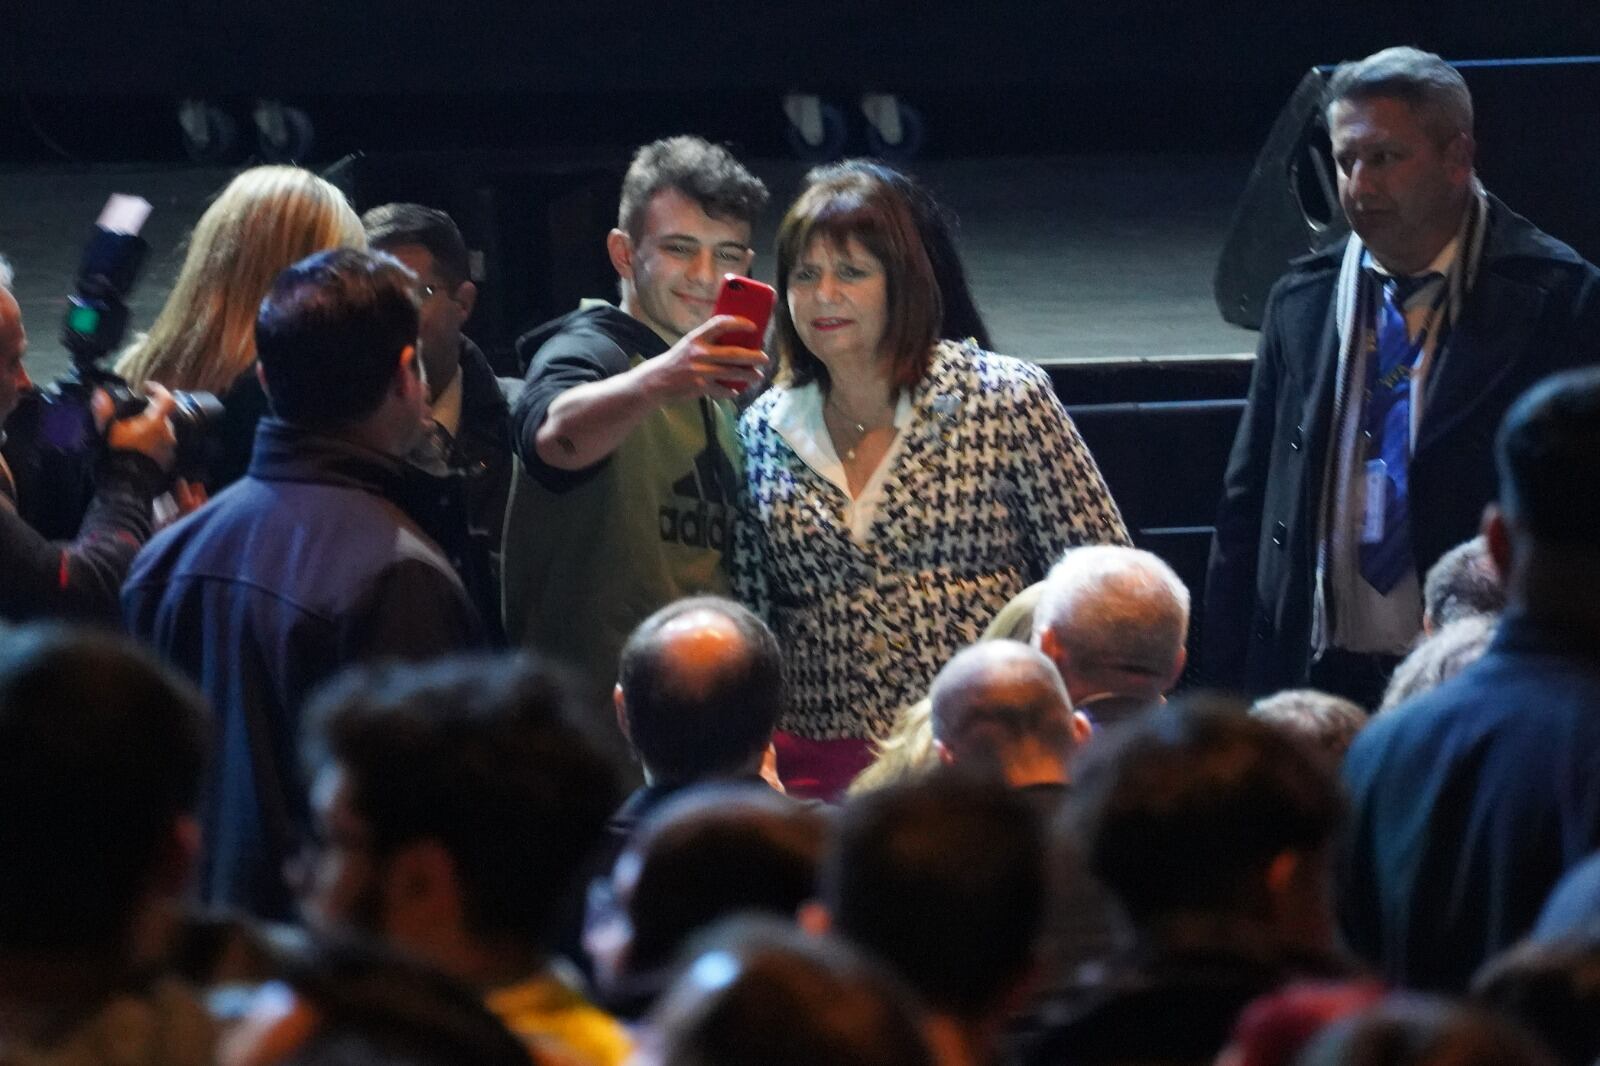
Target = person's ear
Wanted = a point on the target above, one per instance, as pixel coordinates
(1082, 729)
(1179, 661)
(1281, 873)
(466, 298)
(180, 852)
(1497, 533)
(621, 708)
(1045, 640)
(619, 247)
(408, 373)
(261, 379)
(946, 756)
(813, 918)
(1459, 153)
(421, 892)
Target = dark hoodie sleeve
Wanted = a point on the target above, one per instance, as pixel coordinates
(80, 579)
(567, 360)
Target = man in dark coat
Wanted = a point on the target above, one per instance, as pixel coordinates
(307, 564)
(1385, 364)
(470, 429)
(1471, 800)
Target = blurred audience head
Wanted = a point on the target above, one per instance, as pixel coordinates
(1420, 1031)
(456, 802)
(1463, 583)
(944, 879)
(1543, 534)
(101, 753)
(937, 226)
(1114, 621)
(267, 218)
(1551, 989)
(844, 205)
(1000, 707)
(762, 993)
(1325, 722)
(1449, 650)
(340, 1001)
(1199, 811)
(337, 338)
(429, 244)
(1274, 1029)
(699, 690)
(708, 854)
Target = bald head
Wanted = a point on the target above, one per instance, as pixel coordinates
(698, 648)
(1000, 701)
(1113, 619)
(699, 689)
(13, 343)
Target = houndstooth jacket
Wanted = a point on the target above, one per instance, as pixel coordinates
(987, 486)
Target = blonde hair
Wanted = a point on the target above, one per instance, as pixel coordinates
(266, 219)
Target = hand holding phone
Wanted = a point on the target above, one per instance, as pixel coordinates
(748, 299)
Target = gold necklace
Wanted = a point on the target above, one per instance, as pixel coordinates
(856, 424)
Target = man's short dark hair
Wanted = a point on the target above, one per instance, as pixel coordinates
(1547, 449)
(716, 852)
(101, 752)
(1415, 1030)
(1463, 582)
(488, 757)
(377, 1006)
(330, 332)
(687, 726)
(761, 992)
(1184, 809)
(390, 226)
(943, 878)
(1550, 988)
(1327, 722)
(704, 172)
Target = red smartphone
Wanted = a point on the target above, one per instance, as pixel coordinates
(747, 298)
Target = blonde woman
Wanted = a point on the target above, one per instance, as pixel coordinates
(204, 337)
(266, 219)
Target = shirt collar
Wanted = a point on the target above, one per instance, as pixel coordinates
(797, 417)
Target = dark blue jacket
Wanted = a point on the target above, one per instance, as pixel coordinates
(301, 568)
(1468, 803)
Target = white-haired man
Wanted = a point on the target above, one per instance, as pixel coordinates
(1114, 621)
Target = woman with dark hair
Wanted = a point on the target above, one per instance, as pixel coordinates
(936, 225)
(902, 488)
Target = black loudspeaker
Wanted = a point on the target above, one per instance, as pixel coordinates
(1536, 151)
(535, 225)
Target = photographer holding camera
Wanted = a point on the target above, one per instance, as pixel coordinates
(79, 579)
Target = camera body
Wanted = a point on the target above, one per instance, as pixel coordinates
(95, 323)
